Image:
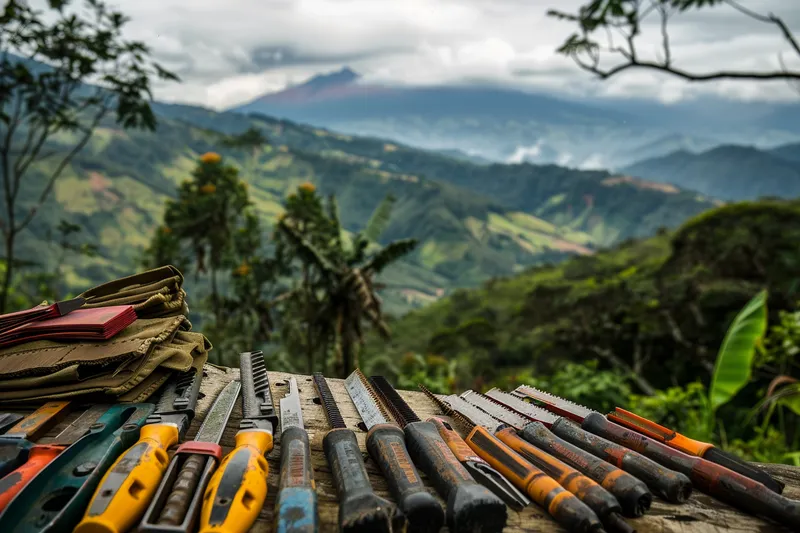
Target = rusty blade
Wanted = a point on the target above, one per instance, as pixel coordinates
(520, 406)
(497, 411)
(555, 404)
(335, 419)
(475, 416)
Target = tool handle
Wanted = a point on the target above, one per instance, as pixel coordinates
(386, 445)
(360, 509)
(185, 485)
(586, 489)
(469, 504)
(672, 486)
(715, 455)
(460, 449)
(297, 498)
(632, 493)
(127, 488)
(566, 509)
(238, 488)
(13, 454)
(38, 458)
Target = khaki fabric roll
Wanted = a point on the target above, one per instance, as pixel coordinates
(155, 293)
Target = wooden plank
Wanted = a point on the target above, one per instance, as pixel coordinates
(701, 514)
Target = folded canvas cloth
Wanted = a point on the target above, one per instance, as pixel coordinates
(132, 365)
(155, 293)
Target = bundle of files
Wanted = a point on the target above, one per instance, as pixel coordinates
(119, 340)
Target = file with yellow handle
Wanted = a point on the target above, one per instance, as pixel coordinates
(129, 485)
(237, 490)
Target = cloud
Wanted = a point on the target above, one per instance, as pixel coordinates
(229, 52)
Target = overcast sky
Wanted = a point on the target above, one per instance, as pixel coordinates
(229, 51)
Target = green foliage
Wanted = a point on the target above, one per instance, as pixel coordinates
(735, 358)
(684, 409)
(47, 110)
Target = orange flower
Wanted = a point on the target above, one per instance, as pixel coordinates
(166, 230)
(307, 187)
(242, 270)
(210, 157)
(208, 188)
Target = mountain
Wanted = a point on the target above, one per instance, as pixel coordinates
(728, 172)
(474, 222)
(789, 152)
(654, 309)
(509, 125)
(664, 146)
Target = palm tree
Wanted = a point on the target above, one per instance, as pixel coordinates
(346, 281)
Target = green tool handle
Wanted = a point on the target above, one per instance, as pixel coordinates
(13, 454)
(360, 509)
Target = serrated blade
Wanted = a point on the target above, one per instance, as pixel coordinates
(291, 412)
(332, 412)
(213, 426)
(365, 399)
(179, 395)
(258, 412)
(477, 416)
(555, 404)
(522, 407)
(497, 411)
(396, 404)
(447, 409)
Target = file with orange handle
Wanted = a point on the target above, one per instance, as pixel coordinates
(238, 488)
(127, 488)
(694, 447)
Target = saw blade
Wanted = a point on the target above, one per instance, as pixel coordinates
(365, 399)
(328, 402)
(555, 403)
(258, 410)
(213, 426)
(396, 404)
(476, 416)
(522, 407)
(291, 412)
(497, 411)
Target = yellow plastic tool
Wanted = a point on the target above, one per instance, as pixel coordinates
(128, 487)
(238, 488)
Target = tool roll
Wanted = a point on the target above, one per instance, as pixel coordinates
(130, 366)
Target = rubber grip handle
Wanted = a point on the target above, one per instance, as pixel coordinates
(587, 490)
(565, 508)
(13, 454)
(127, 488)
(632, 493)
(716, 480)
(38, 458)
(177, 502)
(387, 447)
(460, 449)
(470, 505)
(238, 488)
(297, 498)
(715, 455)
(672, 486)
(360, 509)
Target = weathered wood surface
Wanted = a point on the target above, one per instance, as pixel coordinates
(701, 514)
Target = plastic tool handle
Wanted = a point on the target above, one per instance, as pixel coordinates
(599, 500)
(457, 445)
(387, 447)
(127, 488)
(566, 509)
(296, 505)
(13, 454)
(632, 493)
(715, 455)
(360, 509)
(670, 485)
(38, 458)
(470, 505)
(716, 480)
(238, 488)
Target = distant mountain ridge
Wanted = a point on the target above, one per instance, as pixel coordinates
(729, 172)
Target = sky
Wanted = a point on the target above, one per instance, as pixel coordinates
(230, 51)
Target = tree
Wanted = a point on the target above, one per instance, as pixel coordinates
(47, 61)
(340, 275)
(201, 224)
(614, 26)
(251, 139)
